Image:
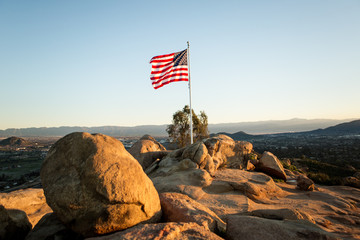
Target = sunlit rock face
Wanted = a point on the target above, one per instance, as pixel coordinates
(146, 150)
(95, 186)
(271, 165)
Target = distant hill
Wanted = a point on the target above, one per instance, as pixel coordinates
(261, 127)
(239, 135)
(154, 130)
(14, 141)
(343, 129)
(349, 128)
(275, 126)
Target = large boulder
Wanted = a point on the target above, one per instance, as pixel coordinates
(146, 150)
(31, 200)
(271, 165)
(14, 224)
(254, 228)
(95, 186)
(178, 207)
(168, 231)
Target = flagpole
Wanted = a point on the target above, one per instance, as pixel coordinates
(188, 62)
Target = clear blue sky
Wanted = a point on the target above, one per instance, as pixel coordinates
(86, 62)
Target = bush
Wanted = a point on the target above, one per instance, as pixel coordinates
(323, 178)
(290, 167)
(4, 177)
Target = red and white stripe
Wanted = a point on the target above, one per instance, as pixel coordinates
(163, 71)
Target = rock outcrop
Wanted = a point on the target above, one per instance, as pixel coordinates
(95, 186)
(226, 152)
(146, 150)
(189, 169)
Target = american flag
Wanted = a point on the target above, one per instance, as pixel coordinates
(169, 68)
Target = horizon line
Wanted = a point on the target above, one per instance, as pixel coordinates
(124, 126)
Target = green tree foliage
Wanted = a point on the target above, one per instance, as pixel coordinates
(179, 130)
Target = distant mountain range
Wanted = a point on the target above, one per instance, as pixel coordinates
(348, 128)
(343, 129)
(261, 127)
(276, 126)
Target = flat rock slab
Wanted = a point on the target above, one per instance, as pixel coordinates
(254, 228)
(178, 207)
(163, 231)
(255, 185)
(32, 201)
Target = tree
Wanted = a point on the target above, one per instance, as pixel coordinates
(179, 130)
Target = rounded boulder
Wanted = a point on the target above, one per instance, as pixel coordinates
(95, 186)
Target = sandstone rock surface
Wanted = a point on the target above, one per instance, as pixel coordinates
(282, 214)
(95, 186)
(146, 150)
(163, 231)
(254, 228)
(256, 186)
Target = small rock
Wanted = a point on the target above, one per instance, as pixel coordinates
(352, 182)
(305, 184)
(250, 166)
